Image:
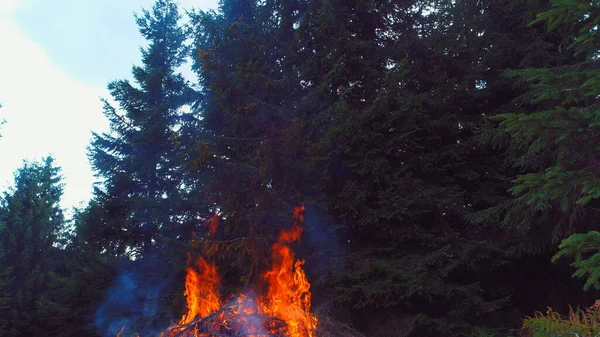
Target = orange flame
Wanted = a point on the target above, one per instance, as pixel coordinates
(289, 297)
(201, 284)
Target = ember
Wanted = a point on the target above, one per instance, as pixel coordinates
(284, 311)
(240, 318)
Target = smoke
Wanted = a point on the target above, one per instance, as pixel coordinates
(249, 303)
(324, 251)
(320, 226)
(323, 238)
(134, 303)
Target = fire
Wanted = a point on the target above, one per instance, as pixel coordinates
(289, 297)
(201, 282)
(283, 311)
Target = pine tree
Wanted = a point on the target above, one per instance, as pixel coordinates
(4, 275)
(527, 142)
(142, 192)
(370, 110)
(76, 287)
(392, 138)
(551, 132)
(30, 218)
(340, 98)
(246, 64)
(5, 280)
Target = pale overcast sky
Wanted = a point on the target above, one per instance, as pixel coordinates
(56, 57)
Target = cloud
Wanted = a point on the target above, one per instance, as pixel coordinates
(55, 61)
(46, 112)
(7, 6)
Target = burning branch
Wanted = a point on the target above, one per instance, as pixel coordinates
(284, 311)
(240, 318)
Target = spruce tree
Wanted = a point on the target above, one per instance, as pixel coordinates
(391, 157)
(336, 105)
(550, 138)
(5, 281)
(142, 190)
(551, 132)
(30, 218)
(245, 60)
(370, 110)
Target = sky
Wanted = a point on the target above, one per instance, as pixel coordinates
(56, 58)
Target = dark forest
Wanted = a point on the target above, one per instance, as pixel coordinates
(435, 164)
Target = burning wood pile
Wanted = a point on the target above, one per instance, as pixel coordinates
(284, 311)
(239, 318)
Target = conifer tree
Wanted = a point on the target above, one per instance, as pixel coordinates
(369, 109)
(552, 132)
(343, 104)
(5, 280)
(245, 62)
(30, 218)
(141, 194)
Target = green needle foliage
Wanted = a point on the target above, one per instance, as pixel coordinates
(141, 197)
(442, 149)
(368, 110)
(585, 249)
(30, 218)
(554, 133)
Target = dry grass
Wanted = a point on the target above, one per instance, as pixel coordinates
(331, 328)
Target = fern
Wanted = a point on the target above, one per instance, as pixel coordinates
(580, 323)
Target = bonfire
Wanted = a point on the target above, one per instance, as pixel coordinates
(284, 311)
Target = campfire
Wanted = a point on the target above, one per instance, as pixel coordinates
(283, 311)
